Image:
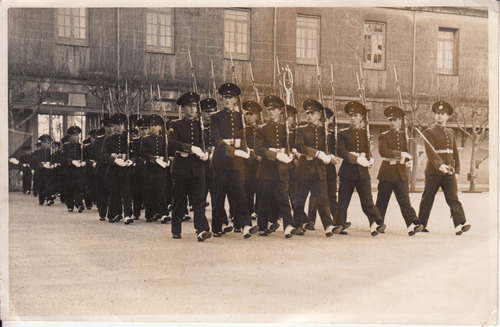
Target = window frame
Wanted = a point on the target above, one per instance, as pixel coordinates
(238, 56)
(308, 61)
(72, 40)
(454, 70)
(371, 64)
(158, 48)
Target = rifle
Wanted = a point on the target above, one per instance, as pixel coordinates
(50, 135)
(451, 170)
(240, 109)
(280, 84)
(320, 95)
(256, 92)
(400, 103)
(81, 134)
(361, 89)
(164, 122)
(151, 98)
(128, 120)
(214, 85)
(332, 82)
(195, 90)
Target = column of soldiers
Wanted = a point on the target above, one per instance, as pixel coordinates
(266, 172)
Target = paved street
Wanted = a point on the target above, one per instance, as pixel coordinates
(70, 266)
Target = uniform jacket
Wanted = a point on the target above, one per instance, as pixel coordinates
(226, 124)
(310, 139)
(271, 135)
(40, 156)
(116, 143)
(70, 152)
(390, 146)
(183, 134)
(151, 147)
(251, 164)
(25, 159)
(352, 140)
(443, 139)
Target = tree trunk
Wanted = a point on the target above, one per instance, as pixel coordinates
(414, 153)
(472, 177)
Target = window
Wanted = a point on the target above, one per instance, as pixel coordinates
(72, 26)
(160, 30)
(45, 124)
(447, 51)
(374, 46)
(307, 45)
(237, 34)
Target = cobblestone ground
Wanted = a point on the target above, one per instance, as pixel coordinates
(71, 266)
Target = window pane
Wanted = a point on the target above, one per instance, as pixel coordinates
(307, 38)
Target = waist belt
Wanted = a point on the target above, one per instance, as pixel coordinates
(444, 151)
(26, 165)
(235, 142)
(183, 154)
(277, 149)
(121, 155)
(391, 161)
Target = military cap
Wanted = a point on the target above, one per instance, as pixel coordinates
(229, 89)
(56, 143)
(311, 104)
(101, 131)
(442, 106)
(65, 138)
(329, 112)
(26, 147)
(74, 130)
(155, 120)
(141, 122)
(93, 132)
(45, 137)
(355, 107)
(106, 122)
(188, 97)
(208, 104)
(87, 141)
(118, 118)
(273, 101)
(251, 106)
(394, 112)
(291, 110)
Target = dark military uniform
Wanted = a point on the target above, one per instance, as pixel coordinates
(118, 178)
(137, 179)
(74, 186)
(393, 175)
(251, 166)
(100, 176)
(273, 175)
(444, 142)
(46, 176)
(25, 167)
(354, 176)
(155, 176)
(188, 174)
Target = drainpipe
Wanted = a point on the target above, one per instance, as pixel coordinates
(414, 54)
(118, 41)
(274, 48)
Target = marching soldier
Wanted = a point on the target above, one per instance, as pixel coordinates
(38, 146)
(208, 107)
(101, 167)
(273, 171)
(154, 153)
(228, 162)
(138, 173)
(393, 173)
(73, 169)
(331, 173)
(442, 170)
(252, 110)
(310, 173)
(90, 195)
(354, 148)
(186, 143)
(44, 170)
(120, 157)
(25, 169)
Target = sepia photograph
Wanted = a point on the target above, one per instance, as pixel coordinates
(281, 163)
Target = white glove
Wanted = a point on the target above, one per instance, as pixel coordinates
(32, 171)
(211, 156)
(409, 164)
(83, 163)
(196, 150)
(94, 164)
(324, 157)
(47, 165)
(362, 161)
(21, 174)
(120, 162)
(160, 162)
(204, 157)
(333, 159)
(76, 163)
(242, 154)
(283, 157)
(404, 156)
(371, 162)
(129, 163)
(443, 168)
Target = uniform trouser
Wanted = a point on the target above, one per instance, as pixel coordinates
(332, 200)
(155, 195)
(401, 191)
(45, 185)
(448, 184)
(252, 191)
(36, 183)
(318, 191)
(279, 191)
(102, 191)
(26, 182)
(89, 193)
(209, 182)
(194, 188)
(363, 187)
(230, 182)
(137, 190)
(74, 190)
(168, 190)
(119, 183)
